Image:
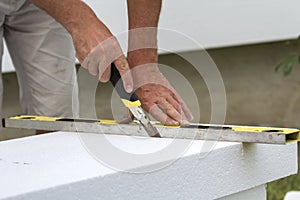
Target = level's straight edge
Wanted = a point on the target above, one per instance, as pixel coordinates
(231, 133)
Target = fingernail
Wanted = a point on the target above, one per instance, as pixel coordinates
(175, 123)
(129, 88)
(185, 123)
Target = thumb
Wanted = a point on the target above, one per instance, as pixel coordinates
(124, 70)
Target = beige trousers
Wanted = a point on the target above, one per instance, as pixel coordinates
(43, 56)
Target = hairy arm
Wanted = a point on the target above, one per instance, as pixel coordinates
(96, 47)
(78, 19)
(143, 20)
(156, 94)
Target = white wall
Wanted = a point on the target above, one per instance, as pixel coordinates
(213, 23)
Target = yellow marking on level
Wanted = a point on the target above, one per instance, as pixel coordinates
(165, 126)
(107, 121)
(264, 129)
(39, 118)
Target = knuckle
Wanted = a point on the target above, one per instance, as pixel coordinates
(147, 106)
(122, 65)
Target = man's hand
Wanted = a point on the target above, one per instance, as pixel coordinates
(98, 61)
(156, 94)
(164, 104)
(96, 48)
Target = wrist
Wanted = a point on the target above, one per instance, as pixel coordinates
(145, 74)
(142, 57)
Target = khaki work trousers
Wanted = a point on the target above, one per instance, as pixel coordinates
(43, 56)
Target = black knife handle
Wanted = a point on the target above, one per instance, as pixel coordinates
(115, 79)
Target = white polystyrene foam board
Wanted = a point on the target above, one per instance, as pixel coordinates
(292, 195)
(257, 193)
(59, 165)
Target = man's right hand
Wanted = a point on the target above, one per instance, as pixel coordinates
(98, 60)
(96, 48)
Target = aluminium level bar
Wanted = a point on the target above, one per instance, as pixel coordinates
(230, 133)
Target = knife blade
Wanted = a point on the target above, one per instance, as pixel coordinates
(132, 102)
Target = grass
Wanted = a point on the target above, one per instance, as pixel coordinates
(277, 189)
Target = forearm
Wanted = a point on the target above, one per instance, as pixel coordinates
(79, 20)
(70, 13)
(143, 13)
(143, 16)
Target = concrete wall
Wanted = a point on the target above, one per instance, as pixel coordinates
(256, 95)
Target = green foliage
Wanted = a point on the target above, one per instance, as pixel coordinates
(277, 190)
(288, 63)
